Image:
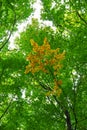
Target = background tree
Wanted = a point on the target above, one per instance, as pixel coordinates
(11, 13)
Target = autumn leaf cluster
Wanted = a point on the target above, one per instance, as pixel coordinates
(46, 60)
(43, 58)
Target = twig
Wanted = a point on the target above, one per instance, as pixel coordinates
(6, 110)
(81, 17)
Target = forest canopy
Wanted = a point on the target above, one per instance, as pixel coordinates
(43, 80)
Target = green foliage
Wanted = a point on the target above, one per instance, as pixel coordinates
(34, 110)
(12, 12)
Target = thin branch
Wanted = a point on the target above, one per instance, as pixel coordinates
(10, 31)
(75, 116)
(75, 101)
(61, 114)
(80, 120)
(44, 86)
(78, 13)
(48, 88)
(3, 114)
(81, 17)
(74, 104)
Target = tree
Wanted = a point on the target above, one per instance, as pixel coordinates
(11, 13)
(26, 101)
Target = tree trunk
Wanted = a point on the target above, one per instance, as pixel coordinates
(68, 120)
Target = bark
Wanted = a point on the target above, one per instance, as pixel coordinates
(68, 120)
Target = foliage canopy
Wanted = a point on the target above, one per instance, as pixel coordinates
(26, 100)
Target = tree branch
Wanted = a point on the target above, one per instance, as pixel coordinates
(81, 17)
(65, 111)
(78, 13)
(75, 116)
(3, 114)
(10, 31)
(68, 120)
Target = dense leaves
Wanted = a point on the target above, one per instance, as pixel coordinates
(12, 12)
(24, 99)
